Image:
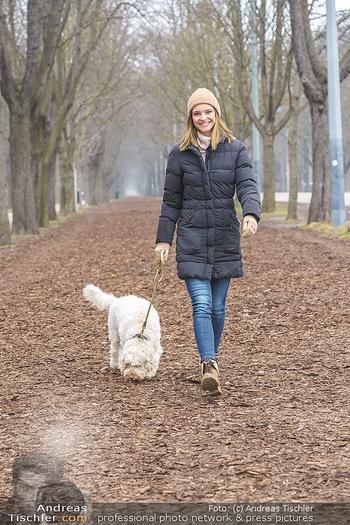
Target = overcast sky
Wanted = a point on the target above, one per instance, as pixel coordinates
(342, 4)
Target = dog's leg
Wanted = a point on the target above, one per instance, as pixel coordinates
(114, 351)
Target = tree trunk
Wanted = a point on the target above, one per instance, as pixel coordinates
(67, 184)
(67, 197)
(313, 74)
(269, 203)
(51, 186)
(94, 178)
(22, 188)
(321, 200)
(107, 181)
(51, 134)
(39, 172)
(5, 231)
(293, 166)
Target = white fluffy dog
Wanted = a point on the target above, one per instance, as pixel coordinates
(136, 358)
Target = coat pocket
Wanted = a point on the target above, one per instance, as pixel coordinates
(190, 234)
(186, 219)
(232, 234)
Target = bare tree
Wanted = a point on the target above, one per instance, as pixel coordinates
(61, 36)
(25, 95)
(103, 107)
(296, 106)
(275, 60)
(313, 74)
(346, 131)
(5, 231)
(84, 33)
(185, 50)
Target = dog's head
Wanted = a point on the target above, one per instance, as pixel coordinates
(133, 373)
(139, 360)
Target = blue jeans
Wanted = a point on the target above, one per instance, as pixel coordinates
(208, 303)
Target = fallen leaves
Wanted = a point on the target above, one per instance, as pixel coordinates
(279, 432)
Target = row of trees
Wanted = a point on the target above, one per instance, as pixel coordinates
(60, 64)
(208, 42)
(96, 91)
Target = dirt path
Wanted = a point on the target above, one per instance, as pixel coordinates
(280, 431)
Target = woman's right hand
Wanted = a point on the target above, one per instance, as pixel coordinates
(250, 226)
(159, 248)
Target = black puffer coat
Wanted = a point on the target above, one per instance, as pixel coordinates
(199, 195)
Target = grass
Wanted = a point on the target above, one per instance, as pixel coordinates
(323, 229)
(20, 236)
(280, 211)
(8, 245)
(42, 229)
(54, 224)
(326, 229)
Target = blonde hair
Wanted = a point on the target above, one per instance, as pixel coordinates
(220, 130)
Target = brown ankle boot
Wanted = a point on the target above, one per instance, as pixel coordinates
(210, 377)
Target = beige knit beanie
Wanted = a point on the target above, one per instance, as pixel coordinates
(203, 96)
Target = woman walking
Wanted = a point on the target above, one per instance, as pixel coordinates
(203, 173)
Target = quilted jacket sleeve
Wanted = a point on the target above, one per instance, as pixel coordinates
(247, 190)
(172, 198)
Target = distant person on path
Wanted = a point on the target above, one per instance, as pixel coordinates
(203, 173)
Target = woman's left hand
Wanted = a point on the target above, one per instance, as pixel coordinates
(250, 226)
(162, 246)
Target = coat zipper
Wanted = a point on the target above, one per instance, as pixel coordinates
(208, 165)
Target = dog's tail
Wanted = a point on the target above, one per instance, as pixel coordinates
(97, 297)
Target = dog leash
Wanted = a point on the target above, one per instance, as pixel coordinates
(159, 276)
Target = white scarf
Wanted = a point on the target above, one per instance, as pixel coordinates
(203, 143)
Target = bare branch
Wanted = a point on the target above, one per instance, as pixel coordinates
(283, 80)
